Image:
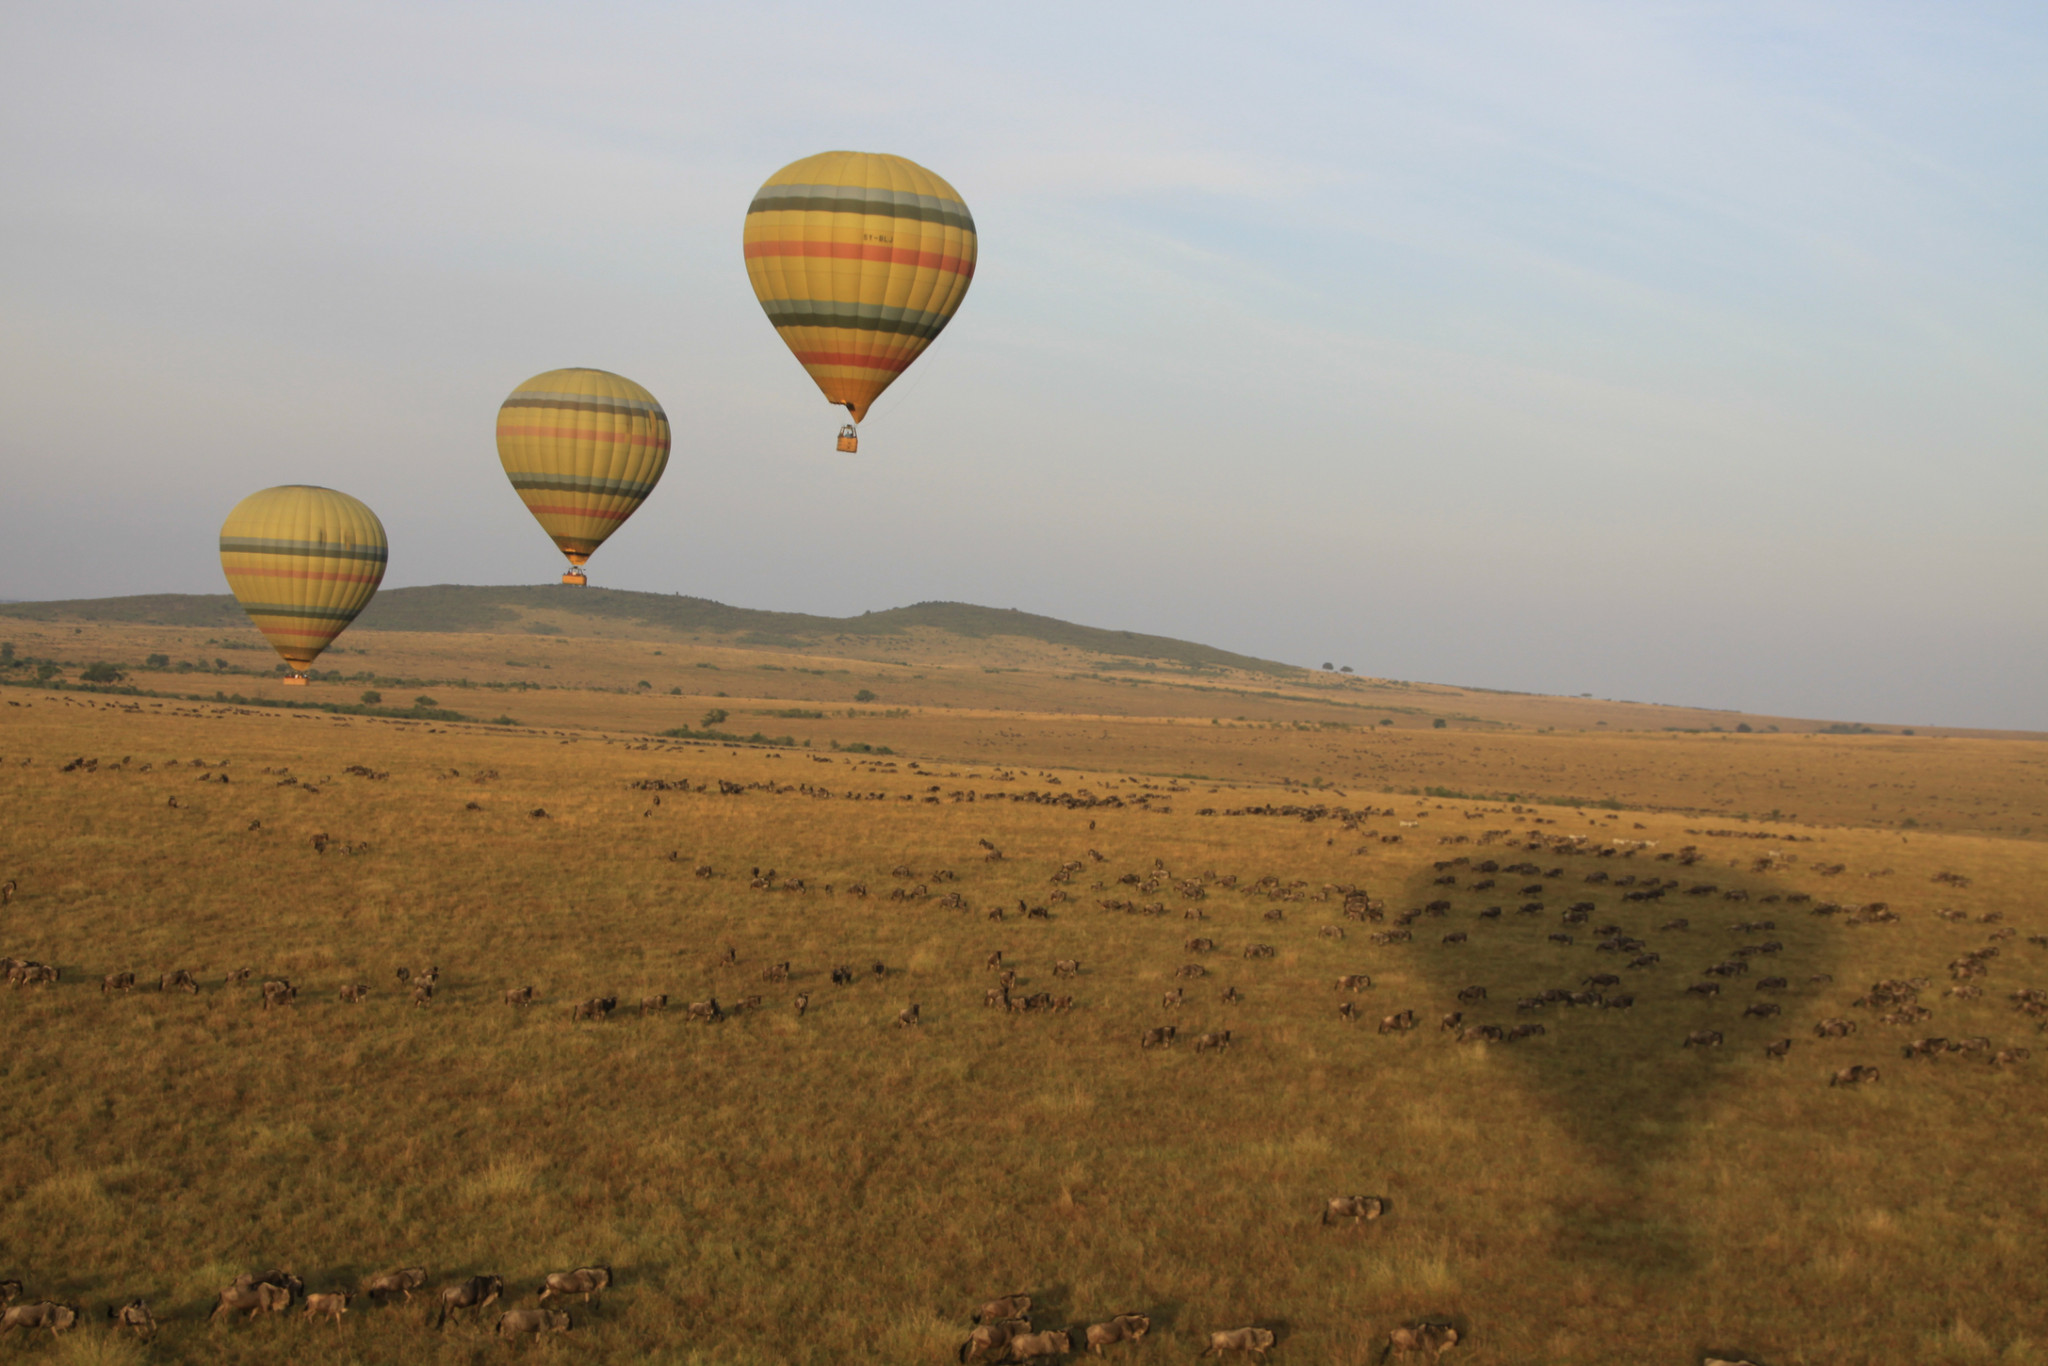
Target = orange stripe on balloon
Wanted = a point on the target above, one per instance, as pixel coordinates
(322, 576)
(582, 512)
(893, 366)
(864, 251)
(579, 434)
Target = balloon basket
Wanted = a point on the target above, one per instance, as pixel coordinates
(575, 578)
(849, 439)
(293, 680)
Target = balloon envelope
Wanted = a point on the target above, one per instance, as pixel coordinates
(302, 561)
(584, 448)
(860, 260)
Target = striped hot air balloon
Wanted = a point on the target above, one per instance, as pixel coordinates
(302, 561)
(860, 260)
(584, 448)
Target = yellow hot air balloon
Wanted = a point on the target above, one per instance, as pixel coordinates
(302, 561)
(584, 448)
(860, 260)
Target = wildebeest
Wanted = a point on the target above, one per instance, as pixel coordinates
(1467, 995)
(1357, 1208)
(401, 1281)
(1778, 1049)
(1762, 1010)
(1433, 1338)
(803, 1003)
(908, 1016)
(423, 993)
(253, 1299)
(1006, 1307)
(519, 996)
(1032, 1346)
(1253, 1342)
(1703, 1038)
(181, 980)
(584, 1280)
(1258, 950)
(1122, 1328)
(1216, 1042)
(1834, 1027)
(478, 1293)
(1399, 1020)
(1524, 1031)
(1347, 1010)
(1451, 1021)
(705, 1012)
(2005, 1057)
(135, 1317)
(237, 975)
(1199, 945)
(355, 994)
(1161, 1037)
(1705, 989)
(534, 1321)
(653, 1003)
(991, 1340)
(332, 1305)
(596, 1008)
(1066, 967)
(1481, 1033)
(1354, 981)
(117, 981)
(1854, 1075)
(55, 1317)
(1231, 996)
(279, 992)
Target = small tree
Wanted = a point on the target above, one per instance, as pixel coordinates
(863, 696)
(158, 661)
(424, 701)
(714, 717)
(102, 673)
(1439, 723)
(372, 698)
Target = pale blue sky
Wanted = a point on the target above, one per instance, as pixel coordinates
(1680, 352)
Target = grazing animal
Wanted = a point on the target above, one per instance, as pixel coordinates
(1231, 996)
(1525, 1031)
(1451, 1021)
(423, 993)
(135, 1317)
(1122, 1328)
(1705, 989)
(1854, 1075)
(1067, 967)
(253, 1299)
(908, 1016)
(653, 1003)
(1253, 1342)
(1468, 995)
(1216, 1042)
(1007, 1307)
(596, 1008)
(117, 981)
(1482, 1033)
(402, 1281)
(991, 1340)
(584, 1280)
(1762, 1010)
(2005, 1057)
(279, 993)
(1398, 1021)
(803, 1003)
(333, 1306)
(705, 1012)
(478, 1293)
(237, 975)
(1354, 981)
(1433, 1338)
(1779, 1049)
(1347, 1010)
(55, 1317)
(1030, 1346)
(1834, 1027)
(534, 1321)
(181, 980)
(1357, 1208)
(994, 963)
(10, 1291)
(519, 996)
(1703, 1038)
(1161, 1037)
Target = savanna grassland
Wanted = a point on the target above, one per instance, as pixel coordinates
(840, 1188)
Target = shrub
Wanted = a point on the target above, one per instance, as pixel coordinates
(158, 661)
(424, 701)
(715, 717)
(372, 698)
(1439, 723)
(101, 672)
(863, 696)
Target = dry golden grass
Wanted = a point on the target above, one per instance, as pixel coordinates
(838, 1189)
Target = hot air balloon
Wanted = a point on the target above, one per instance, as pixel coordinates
(302, 561)
(860, 260)
(584, 448)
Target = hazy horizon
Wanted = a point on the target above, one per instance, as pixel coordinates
(1689, 354)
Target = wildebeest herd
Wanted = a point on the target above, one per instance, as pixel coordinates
(1005, 1331)
(254, 1294)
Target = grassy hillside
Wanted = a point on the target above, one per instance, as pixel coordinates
(457, 608)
